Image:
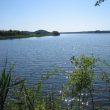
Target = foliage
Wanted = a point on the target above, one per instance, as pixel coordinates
(6, 84)
(55, 33)
(98, 2)
(80, 81)
(80, 90)
(16, 95)
(83, 74)
(11, 34)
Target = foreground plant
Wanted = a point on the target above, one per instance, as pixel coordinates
(6, 84)
(16, 95)
(24, 97)
(81, 80)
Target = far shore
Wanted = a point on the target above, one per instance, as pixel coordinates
(86, 32)
(22, 36)
(14, 34)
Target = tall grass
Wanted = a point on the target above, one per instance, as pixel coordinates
(6, 84)
(16, 95)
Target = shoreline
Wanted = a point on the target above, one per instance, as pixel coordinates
(21, 36)
(15, 34)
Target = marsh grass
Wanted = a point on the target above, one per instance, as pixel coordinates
(76, 94)
(6, 84)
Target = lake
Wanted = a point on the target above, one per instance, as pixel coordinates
(33, 57)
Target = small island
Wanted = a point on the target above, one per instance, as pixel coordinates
(12, 34)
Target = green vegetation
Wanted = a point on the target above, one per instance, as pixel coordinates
(82, 78)
(98, 2)
(55, 33)
(12, 34)
(77, 94)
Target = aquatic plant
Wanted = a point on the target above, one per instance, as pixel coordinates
(6, 84)
(17, 95)
(80, 81)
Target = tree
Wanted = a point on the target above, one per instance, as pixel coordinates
(98, 2)
(55, 33)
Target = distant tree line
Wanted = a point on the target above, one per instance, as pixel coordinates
(12, 33)
(55, 33)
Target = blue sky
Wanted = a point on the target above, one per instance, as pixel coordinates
(60, 15)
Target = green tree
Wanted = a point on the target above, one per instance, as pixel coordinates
(98, 2)
(81, 79)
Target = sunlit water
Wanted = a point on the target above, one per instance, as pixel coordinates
(34, 57)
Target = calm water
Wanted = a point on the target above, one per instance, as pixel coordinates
(36, 56)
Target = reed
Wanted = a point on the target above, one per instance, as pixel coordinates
(16, 95)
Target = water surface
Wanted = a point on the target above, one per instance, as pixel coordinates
(35, 56)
